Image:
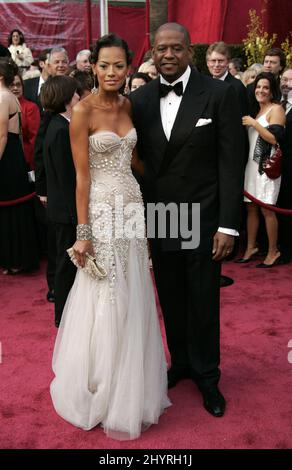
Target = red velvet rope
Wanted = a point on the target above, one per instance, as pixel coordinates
(20, 200)
(280, 210)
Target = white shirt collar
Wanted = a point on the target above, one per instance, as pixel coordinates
(223, 76)
(41, 82)
(289, 97)
(184, 78)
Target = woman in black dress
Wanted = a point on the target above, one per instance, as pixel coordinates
(18, 242)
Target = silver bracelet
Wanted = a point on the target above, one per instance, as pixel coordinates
(83, 232)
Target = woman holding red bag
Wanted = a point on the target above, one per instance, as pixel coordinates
(264, 131)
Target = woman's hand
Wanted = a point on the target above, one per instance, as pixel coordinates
(248, 121)
(81, 247)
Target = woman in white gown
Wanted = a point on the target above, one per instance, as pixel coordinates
(265, 130)
(109, 362)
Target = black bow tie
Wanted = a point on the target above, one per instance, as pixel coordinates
(165, 89)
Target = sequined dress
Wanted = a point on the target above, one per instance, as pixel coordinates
(109, 362)
(259, 186)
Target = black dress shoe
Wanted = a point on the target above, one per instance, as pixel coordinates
(51, 296)
(226, 281)
(214, 402)
(175, 375)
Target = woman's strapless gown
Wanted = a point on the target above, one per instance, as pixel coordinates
(108, 360)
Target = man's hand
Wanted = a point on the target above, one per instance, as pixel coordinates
(222, 245)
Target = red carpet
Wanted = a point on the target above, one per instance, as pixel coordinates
(256, 375)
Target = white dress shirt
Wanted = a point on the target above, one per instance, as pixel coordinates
(289, 102)
(169, 106)
(170, 103)
(223, 76)
(41, 82)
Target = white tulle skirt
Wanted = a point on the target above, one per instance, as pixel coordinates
(109, 361)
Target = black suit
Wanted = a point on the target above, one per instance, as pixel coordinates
(240, 91)
(31, 88)
(241, 94)
(46, 231)
(60, 175)
(197, 165)
(41, 190)
(285, 195)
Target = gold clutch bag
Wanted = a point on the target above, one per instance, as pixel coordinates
(96, 271)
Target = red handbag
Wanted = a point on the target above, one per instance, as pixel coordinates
(273, 165)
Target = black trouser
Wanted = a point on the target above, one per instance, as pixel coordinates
(188, 286)
(47, 241)
(65, 269)
(51, 255)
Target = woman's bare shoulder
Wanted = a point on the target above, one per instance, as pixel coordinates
(83, 106)
(277, 114)
(277, 109)
(126, 104)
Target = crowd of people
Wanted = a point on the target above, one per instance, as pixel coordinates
(82, 137)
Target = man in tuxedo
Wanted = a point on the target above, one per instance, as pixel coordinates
(32, 86)
(57, 94)
(56, 63)
(218, 58)
(189, 138)
(285, 195)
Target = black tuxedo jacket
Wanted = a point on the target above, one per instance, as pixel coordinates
(40, 173)
(60, 172)
(285, 195)
(202, 164)
(31, 87)
(240, 91)
(287, 141)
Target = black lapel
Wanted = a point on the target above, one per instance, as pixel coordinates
(193, 103)
(35, 91)
(229, 78)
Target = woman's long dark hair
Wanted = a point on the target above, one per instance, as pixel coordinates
(21, 37)
(274, 89)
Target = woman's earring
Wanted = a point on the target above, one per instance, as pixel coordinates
(94, 89)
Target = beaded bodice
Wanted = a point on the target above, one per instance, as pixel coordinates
(110, 153)
(113, 192)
